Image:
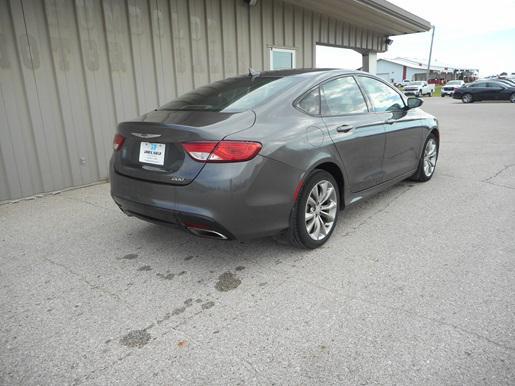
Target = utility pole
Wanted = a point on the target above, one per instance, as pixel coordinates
(430, 53)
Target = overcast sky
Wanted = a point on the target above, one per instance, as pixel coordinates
(473, 34)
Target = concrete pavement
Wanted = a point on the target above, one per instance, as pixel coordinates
(416, 286)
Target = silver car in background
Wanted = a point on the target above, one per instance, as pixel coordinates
(272, 152)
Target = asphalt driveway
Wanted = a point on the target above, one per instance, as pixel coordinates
(416, 286)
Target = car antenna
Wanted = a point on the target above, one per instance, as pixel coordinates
(253, 73)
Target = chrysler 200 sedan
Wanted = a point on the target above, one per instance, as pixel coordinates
(270, 153)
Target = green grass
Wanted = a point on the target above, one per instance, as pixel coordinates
(438, 91)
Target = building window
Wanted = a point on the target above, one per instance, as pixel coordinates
(282, 58)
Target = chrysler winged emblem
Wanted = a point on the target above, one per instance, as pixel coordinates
(145, 135)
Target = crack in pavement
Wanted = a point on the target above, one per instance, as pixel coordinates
(506, 167)
(377, 212)
(84, 280)
(339, 294)
(412, 314)
(486, 181)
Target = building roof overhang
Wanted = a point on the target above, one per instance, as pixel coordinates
(379, 16)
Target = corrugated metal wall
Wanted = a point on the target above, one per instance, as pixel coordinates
(70, 70)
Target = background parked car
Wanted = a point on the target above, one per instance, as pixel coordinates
(452, 85)
(419, 88)
(484, 90)
(402, 84)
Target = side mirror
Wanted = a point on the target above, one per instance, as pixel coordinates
(414, 102)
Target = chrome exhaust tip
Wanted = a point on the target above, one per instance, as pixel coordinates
(207, 233)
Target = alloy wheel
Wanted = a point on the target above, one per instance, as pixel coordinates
(467, 98)
(512, 98)
(430, 154)
(320, 212)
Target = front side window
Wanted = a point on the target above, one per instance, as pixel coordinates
(382, 96)
(478, 85)
(494, 85)
(342, 96)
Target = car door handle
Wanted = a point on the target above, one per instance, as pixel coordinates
(390, 121)
(344, 128)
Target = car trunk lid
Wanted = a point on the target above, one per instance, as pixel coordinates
(153, 151)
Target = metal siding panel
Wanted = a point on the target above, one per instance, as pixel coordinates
(256, 38)
(309, 45)
(278, 23)
(120, 59)
(38, 70)
(316, 30)
(199, 42)
(72, 98)
(243, 37)
(288, 25)
(331, 37)
(214, 34)
(298, 36)
(142, 55)
(163, 50)
(346, 35)
(182, 45)
(229, 38)
(352, 36)
(268, 30)
(339, 33)
(324, 29)
(97, 79)
(19, 166)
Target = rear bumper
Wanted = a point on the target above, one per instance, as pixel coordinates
(239, 200)
(447, 92)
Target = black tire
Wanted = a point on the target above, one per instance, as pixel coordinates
(297, 233)
(467, 98)
(420, 175)
(442, 95)
(512, 98)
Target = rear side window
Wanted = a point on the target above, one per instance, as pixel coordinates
(382, 96)
(311, 102)
(478, 85)
(342, 96)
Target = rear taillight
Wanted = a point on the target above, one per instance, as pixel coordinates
(223, 151)
(118, 142)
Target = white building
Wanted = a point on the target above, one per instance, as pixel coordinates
(397, 69)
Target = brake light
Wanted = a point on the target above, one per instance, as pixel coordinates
(118, 142)
(223, 151)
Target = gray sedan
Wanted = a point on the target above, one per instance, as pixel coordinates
(272, 152)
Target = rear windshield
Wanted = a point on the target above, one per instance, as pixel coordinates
(454, 82)
(230, 95)
(415, 83)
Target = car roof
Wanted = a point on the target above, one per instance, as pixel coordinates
(304, 71)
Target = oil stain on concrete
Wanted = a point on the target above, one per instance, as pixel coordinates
(207, 305)
(178, 311)
(145, 268)
(167, 276)
(135, 339)
(130, 256)
(227, 281)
